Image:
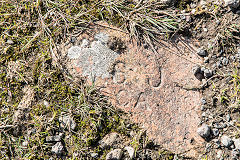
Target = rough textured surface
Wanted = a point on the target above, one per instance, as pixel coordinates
(143, 83)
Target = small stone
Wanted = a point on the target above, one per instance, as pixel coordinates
(208, 73)
(73, 39)
(57, 148)
(197, 72)
(25, 144)
(215, 132)
(130, 151)
(56, 138)
(204, 131)
(67, 122)
(74, 52)
(9, 42)
(237, 143)
(202, 108)
(205, 29)
(232, 3)
(202, 52)
(206, 59)
(219, 64)
(203, 101)
(226, 141)
(115, 154)
(94, 155)
(225, 61)
(109, 140)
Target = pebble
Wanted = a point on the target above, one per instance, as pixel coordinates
(67, 122)
(219, 64)
(225, 61)
(206, 59)
(25, 144)
(130, 151)
(208, 73)
(237, 143)
(203, 101)
(202, 108)
(197, 72)
(109, 140)
(215, 132)
(202, 52)
(56, 138)
(94, 155)
(204, 131)
(9, 42)
(232, 3)
(57, 148)
(115, 154)
(226, 141)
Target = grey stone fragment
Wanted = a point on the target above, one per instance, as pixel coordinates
(74, 52)
(94, 155)
(204, 131)
(25, 144)
(206, 59)
(109, 140)
(197, 72)
(226, 141)
(237, 143)
(225, 61)
(55, 138)
(9, 41)
(130, 151)
(203, 101)
(67, 122)
(208, 73)
(232, 3)
(202, 52)
(215, 132)
(115, 154)
(57, 148)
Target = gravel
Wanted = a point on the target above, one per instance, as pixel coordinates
(225, 61)
(202, 52)
(109, 140)
(237, 143)
(208, 73)
(67, 122)
(130, 151)
(215, 132)
(226, 141)
(56, 138)
(115, 154)
(204, 131)
(58, 148)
